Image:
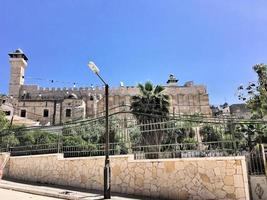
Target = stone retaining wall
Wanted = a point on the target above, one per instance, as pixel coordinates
(191, 178)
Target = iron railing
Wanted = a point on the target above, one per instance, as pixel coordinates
(95, 150)
(68, 151)
(256, 160)
(178, 150)
(35, 149)
(188, 150)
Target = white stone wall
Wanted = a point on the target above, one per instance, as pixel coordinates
(190, 178)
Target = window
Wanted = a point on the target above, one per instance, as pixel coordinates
(23, 113)
(68, 112)
(46, 113)
(7, 113)
(28, 95)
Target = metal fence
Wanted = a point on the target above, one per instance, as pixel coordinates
(95, 150)
(256, 161)
(35, 149)
(178, 150)
(188, 150)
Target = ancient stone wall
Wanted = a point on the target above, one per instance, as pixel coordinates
(189, 178)
(184, 100)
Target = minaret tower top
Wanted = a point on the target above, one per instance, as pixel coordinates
(18, 54)
(172, 81)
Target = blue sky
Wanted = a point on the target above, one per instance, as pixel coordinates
(215, 43)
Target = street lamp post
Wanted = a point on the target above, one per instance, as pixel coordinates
(107, 171)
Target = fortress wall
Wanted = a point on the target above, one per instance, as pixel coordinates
(184, 100)
(35, 90)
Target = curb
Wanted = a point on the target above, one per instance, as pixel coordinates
(38, 192)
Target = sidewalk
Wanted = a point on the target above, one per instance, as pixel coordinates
(60, 192)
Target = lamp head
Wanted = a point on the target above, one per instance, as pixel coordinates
(93, 67)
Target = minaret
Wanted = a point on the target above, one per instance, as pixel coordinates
(18, 63)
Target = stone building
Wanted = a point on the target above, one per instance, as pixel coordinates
(60, 105)
(240, 111)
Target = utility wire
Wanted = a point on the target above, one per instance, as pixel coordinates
(74, 83)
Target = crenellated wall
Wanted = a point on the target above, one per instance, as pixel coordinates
(190, 178)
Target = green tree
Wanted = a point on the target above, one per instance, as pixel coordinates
(151, 106)
(150, 102)
(251, 134)
(91, 132)
(255, 94)
(73, 140)
(4, 123)
(9, 140)
(35, 137)
(209, 134)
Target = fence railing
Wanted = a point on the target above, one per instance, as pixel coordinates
(4, 149)
(35, 149)
(68, 151)
(188, 150)
(256, 161)
(95, 150)
(177, 150)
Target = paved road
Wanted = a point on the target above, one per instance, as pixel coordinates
(14, 195)
(9, 191)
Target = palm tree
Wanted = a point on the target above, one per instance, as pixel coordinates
(150, 103)
(151, 106)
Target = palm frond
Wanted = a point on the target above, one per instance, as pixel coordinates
(149, 86)
(158, 89)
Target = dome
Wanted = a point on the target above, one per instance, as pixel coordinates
(18, 51)
(72, 96)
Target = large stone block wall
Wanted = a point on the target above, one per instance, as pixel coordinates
(191, 178)
(183, 100)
